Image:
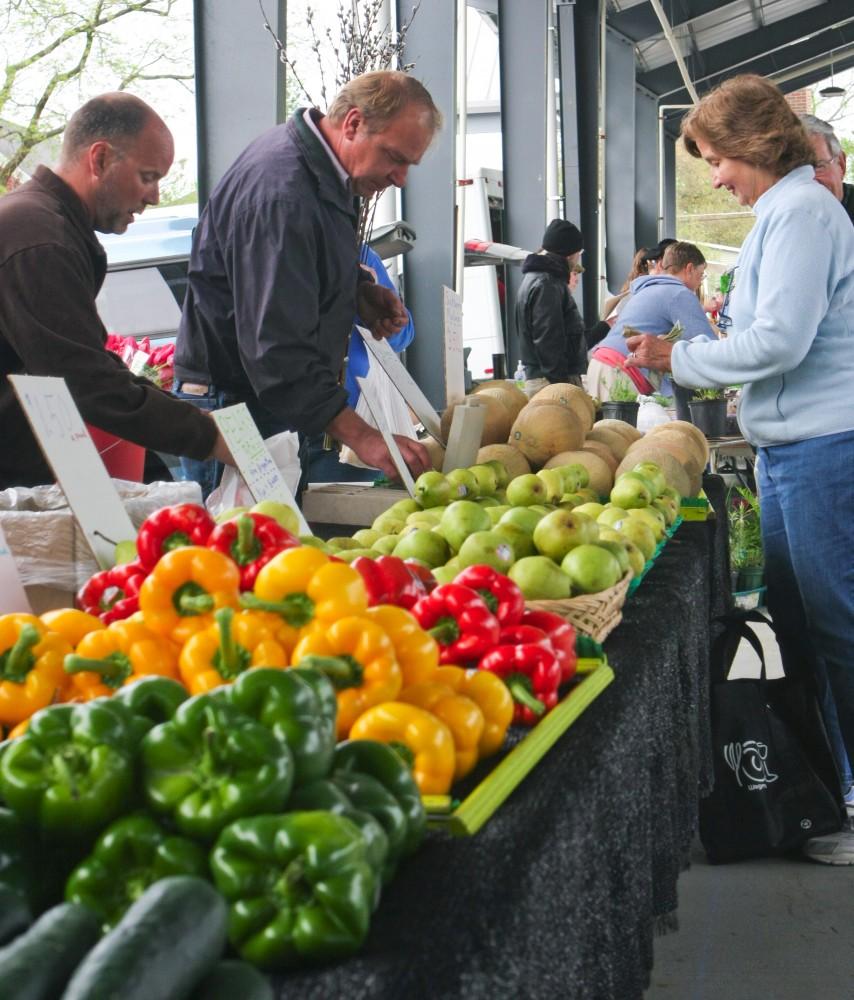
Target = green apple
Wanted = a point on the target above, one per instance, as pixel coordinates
(342, 542)
(432, 489)
(367, 536)
(388, 524)
(386, 545)
(227, 515)
(280, 512)
(427, 546)
(554, 484)
(487, 548)
(525, 518)
(610, 514)
(631, 490)
(404, 507)
(519, 538)
(463, 484)
(125, 552)
(561, 531)
(540, 579)
(640, 533)
(654, 476)
(590, 509)
(461, 519)
(525, 490)
(314, 542)
(487, 479)
(591, 568)
(637, 560)
(498, 511)
(654, 518)
(501, 476)
(620, 552)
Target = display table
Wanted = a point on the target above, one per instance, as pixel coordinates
(562, 892)
(733, 455)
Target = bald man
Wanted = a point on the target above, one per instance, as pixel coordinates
(115, 152)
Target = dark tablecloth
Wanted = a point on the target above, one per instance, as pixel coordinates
(562, 892)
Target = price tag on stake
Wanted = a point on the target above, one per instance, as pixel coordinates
(379, 419)
(455, 364)
(62, 435)
(13, 597)
(253, 459)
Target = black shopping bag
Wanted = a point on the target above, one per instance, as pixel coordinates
(776, 783)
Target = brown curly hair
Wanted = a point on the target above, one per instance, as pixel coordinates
(747, 118)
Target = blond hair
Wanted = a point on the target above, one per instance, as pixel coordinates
(748, 118)
(381, 96)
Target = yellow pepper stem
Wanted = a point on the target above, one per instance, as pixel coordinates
(296, 609)
(17, 661)
(231, 659)
(343, 671)
(113, 669)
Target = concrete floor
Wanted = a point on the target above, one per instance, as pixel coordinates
(759, 930)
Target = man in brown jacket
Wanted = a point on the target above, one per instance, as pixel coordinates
(114, 153)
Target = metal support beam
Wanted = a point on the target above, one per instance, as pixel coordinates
(240, 83)
(620, 171)
(646, 169)
(523, 34)
(428, 198)
(677, 55)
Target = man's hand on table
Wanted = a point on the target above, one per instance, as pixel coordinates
(367, 442)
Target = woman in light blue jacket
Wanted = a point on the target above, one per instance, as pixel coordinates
(789, 320)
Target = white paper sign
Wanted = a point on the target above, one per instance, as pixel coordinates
(455, 364)
(390, 443)
(404, 383)
(12, 595)
(253, 459)
(62, 435)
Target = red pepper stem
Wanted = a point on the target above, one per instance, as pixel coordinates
(520, 687)
(18, 660)
(113, 669)
(445, 631)
(343, 671)
(296, 609)
(245, 548)
(175, 540)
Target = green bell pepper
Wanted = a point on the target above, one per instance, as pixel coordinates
(324, 794)
(16, 854)
(71, 773)
(288, 706)
(372, 797)
(299, 887)
(152, 700)
(323, 688)
(128, 857)
(212, 764)
(381, 762)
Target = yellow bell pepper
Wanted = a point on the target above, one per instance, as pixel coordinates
(490, 694)
(417, 733)
(416, 650)
(236, 641)
(71, 623)
(107, 659)
(31, 674)
(358, 657)
(459, 713)
(181, 593)
(304, 586)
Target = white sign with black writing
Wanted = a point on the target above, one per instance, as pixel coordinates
(377, 413)
(455, 364)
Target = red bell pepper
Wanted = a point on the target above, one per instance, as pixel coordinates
(503, 597)
(112, 594)
(251, 540)
(532, 674)
(459, 620)
(562, 637)
(520, 635)
(423, 572)
(171, 527)
(389, 580)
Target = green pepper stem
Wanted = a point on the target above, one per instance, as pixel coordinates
(520, 687)
(231, 659)
(174, 541)
(445, 631)
(343, 671)
(19, 660)
(296, 609)
(195, 604)
(404, 752)
(114, 669)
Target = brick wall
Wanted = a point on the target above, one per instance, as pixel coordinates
(799, 100)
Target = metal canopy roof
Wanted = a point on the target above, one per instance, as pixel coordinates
(792, 42)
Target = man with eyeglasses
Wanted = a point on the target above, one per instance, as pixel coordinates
(831, 161)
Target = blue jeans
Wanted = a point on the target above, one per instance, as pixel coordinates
(807, 496)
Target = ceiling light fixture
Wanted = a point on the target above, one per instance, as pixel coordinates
(832, 90)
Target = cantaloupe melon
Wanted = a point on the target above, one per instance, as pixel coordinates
(630, 433)
(436, 452)
(511, 401)
(682, 447)
(615, 442)
(674, 472)
(687, 428)
(511, 458)
(545, 430)
(570, 396)
(601, 476)
(603, 451)
(508, 385)
(497, 424)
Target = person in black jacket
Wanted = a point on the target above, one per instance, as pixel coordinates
(553, 340)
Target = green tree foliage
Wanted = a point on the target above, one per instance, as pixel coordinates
(57, 53)
(703, 214)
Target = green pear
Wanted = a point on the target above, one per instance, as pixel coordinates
(348, 555)
(525, 518)
(498, 511)
(590, 509)
(427, 546)
(432, 489)
(576, 475)
(563, 530)
(461, 519)
(554, 484)
(464, 484)
(501, 476)
(314, 542)
(526, 490)
(591, 568)
(637, 560)
(386, 545)
(367, 536)
(487, 548)
(125, 552)
(227, 515)
(521, 540)
(487, 479)
(388, 524)
(540, 579)
(404, 507)
(653, 475)
(610, 514)
(342, 542)
(280, 512)
(631, 490)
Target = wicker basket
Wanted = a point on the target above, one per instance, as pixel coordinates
(596, 615)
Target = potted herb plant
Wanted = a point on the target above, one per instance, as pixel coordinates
(622, 402)
(745, 540)
(708, 411)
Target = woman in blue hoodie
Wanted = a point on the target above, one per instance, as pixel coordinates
(790, 320)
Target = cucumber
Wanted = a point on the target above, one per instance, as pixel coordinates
(15, 916)
(37, 965)
(163, 945)
(232, 979)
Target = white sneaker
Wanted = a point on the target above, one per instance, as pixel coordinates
(832, 849)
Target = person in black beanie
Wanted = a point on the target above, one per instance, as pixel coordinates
(553, 340)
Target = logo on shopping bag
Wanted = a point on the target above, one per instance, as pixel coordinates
(749, 763)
